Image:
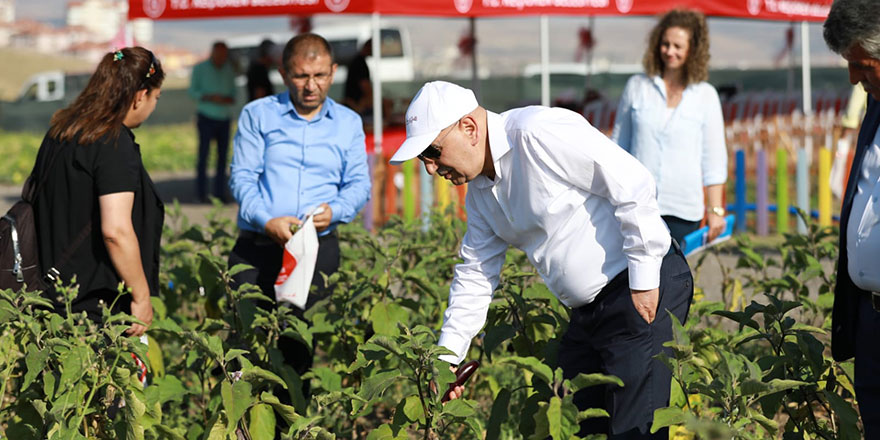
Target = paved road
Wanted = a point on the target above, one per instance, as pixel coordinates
(181, 186)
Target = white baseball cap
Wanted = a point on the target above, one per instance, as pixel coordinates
(437, 105)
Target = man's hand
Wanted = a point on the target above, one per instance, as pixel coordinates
(646, 303)
(142, 310)
(322, 220)
(278, 229)
(454, 393)
(716, 225)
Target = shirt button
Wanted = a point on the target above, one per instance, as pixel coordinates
(861, 273)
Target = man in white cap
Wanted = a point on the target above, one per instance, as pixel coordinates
(585, 213)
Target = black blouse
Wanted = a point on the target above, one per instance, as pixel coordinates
(69, 199)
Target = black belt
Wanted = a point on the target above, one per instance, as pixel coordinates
(262, 239)
(875, 300)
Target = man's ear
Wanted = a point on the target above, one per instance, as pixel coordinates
(470, 128)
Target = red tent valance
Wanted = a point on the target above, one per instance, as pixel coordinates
(782, 10)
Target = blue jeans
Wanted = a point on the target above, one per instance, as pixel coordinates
(212, 129)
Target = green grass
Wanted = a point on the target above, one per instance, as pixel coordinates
(165, 148)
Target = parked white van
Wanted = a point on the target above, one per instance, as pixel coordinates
(346, 41)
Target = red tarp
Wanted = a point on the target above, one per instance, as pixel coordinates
(784, 10)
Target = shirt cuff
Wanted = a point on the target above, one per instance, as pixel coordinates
(644, 275)
(336, 211)
(262, 217)
(455, 343)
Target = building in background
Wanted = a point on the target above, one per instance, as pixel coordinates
(7, 11)
(105, 18)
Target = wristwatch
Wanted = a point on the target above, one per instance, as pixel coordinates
(717, 210)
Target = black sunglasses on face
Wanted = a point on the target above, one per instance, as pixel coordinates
(431, 152)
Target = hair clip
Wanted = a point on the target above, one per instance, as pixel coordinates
(152, 70)
(117, 55)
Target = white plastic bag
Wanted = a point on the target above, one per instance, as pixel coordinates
(298, 264)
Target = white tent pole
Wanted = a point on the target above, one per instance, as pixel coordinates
(805, 69)
(475, 77)
(377, 85)
(545, 61)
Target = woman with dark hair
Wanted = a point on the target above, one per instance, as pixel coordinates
(98, 216)
(670, 119)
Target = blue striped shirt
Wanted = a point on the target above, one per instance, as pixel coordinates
(286, 165)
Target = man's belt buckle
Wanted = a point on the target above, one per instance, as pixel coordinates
(875, 301)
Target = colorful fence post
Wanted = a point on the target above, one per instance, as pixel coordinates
(803, 188)
(368, 209)
(781, 190)
(740, 191)
(409, 190)
(427, 185)
(761, 207)
(824, 187)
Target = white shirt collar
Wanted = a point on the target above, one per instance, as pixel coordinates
(498, 146)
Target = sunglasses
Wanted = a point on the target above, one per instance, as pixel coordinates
(433, 151)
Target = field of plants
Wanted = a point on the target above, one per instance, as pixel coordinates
(754, 365)
(163, 148)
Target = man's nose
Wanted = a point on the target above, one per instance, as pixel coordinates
(854, 76)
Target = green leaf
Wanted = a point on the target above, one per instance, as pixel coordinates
(234, 353)
(414, 410)
(582, 381)
(73, 366)
(155, 357)
(848, 416)
(35, 361)
(459, 408)
(238, 268)
(236, 400)
(665, 417)
(167, 433)
(541, 370)
(385, 317)
(592, 413)
(171, 389)
(254, 375)
(756, 387)
(328, 379)
(385, 432)
(166, 325)
(262, 422)
(287, 412)
(500, 412)
(495, 336)
(376, 384)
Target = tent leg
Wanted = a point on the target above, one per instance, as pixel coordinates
(545, 61)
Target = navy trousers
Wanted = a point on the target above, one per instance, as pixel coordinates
(609, 336)
(265, 256)
(867, 368)
(679, 228)
(212, 130)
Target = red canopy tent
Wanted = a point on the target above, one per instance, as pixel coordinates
(782, 10)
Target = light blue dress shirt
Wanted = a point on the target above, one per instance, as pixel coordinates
(285, 165)
(684, 152)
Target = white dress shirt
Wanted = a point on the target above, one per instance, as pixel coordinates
(684, 150)
(863, 228)
(580, 207)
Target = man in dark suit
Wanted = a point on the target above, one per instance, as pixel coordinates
(852, 29)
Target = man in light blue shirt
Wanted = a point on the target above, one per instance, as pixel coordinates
(212, 86)
(293, 152)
